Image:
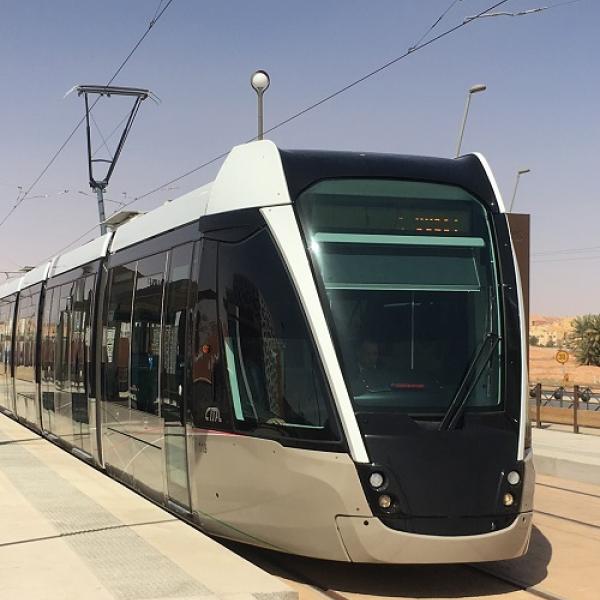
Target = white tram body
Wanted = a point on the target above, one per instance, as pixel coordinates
(321, 353)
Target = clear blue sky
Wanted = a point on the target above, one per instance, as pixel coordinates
(540, 110)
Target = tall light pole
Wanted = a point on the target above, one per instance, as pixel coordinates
(519, 173)
(260, 82)
(480, 87)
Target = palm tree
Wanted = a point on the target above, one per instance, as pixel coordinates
(585, 339)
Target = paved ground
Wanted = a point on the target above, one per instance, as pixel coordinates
(67, 531)
(569, 455)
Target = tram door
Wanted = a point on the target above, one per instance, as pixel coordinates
(173, 381)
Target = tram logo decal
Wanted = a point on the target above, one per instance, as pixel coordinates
(213, 415)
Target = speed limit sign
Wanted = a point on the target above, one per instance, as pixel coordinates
(562, 356)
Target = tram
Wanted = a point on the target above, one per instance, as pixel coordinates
(321, 353)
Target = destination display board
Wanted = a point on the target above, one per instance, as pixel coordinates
(388, 217)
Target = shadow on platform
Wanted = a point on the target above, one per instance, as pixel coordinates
(415, 581)
(531, 569)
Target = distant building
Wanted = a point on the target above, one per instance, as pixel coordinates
(550, 331)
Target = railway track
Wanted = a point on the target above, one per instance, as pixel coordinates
(567, 519)
(533, 590)
(571, 491)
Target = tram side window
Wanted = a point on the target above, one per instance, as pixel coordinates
(77, 359)
(90, 284)
(3, 330)
(174, 333)
(82, 305)
(26, 333)
(146, 328)
(117, 334)
(53, 340)
(62, 339)
(209, 405)
(7, 307)
(275, 380)
(79, 344)
(47, 349)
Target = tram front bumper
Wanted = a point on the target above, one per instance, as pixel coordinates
(368, 540)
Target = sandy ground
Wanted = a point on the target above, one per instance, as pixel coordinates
(544, 368)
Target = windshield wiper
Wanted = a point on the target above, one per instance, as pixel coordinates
(469, 381)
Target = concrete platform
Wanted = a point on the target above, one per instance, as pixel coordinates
(567, 455)
(67, 531)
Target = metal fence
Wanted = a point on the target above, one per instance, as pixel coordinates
(576, 406)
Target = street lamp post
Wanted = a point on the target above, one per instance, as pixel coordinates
(519, 173)
(480, 87)
(260, 82)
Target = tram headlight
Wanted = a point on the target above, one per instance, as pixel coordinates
(513, 478)
(376, 480)
(384, 501)
(508, 499)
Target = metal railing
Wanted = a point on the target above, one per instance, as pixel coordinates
(579, 406)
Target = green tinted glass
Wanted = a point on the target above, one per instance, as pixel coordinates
(407, 269)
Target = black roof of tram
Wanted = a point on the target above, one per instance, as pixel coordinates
(304, 167)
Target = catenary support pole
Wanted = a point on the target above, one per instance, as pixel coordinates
(101, 213)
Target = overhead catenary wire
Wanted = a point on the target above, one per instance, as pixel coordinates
(563, 4)
(158, 14)
(113, 131)
(116, 128)
(559, 4)
(104, 140)
(435, 23)
(326, 99)
(153, 20)
(318, 103)
(12, 260)
(301, 112)
(561, 254)
(566, 251)
(555, 260)
(522, 13)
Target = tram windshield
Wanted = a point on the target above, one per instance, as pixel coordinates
(407, 277)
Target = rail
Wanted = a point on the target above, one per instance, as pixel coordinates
(578, 408)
